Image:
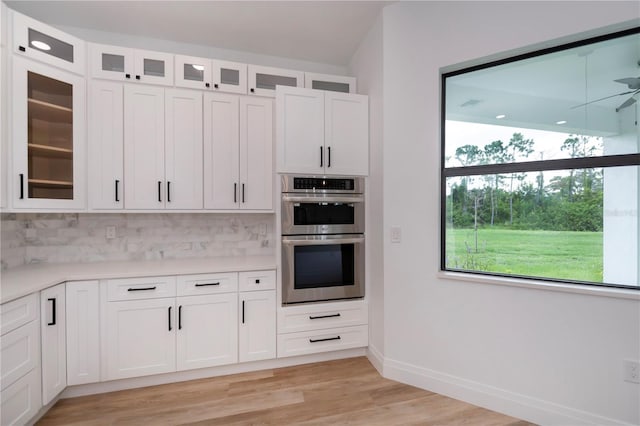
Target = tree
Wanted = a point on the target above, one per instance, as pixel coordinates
(467, 155)
(517, 148)
(495, 152)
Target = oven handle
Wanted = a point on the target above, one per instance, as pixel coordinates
(292, 241)
(321, 199)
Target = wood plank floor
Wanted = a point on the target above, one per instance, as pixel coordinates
(348, 391)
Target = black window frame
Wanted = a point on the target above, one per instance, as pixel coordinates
(603, 161)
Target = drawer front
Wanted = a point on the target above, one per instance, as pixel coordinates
(257, 280)
(141, 288)
(22, 400)
(18, 312)
(191, 285)
(310, 342)
(321, 316)
(20, 353)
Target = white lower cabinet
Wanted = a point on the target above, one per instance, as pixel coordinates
(257, 334)
(20, 373)
(207, 331)
(83, 332)
(54, 344)
(140, 338)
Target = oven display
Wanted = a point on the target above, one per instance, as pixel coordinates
(324, 266)
(323, 183)
(323, 214)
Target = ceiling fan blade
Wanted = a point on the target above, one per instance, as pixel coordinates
(626, 103)
(606, 97)
(633, 83)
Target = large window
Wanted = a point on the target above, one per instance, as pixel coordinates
(541, 164)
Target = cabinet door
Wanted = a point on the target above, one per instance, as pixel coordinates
(263, 80)
(47, 44)
(207, 331)
(153, 67)
(193, 72)
(257, 334)
(347, 134)
(83, 332)
(140, 338)
(183, 149)
(22, 400)
(106, 145)
(221, 151)
(110, 62)
(54, 342)
(300, 131)
(256, 153)
(144, 147)
(229, 77)
(333, 83)
(48, 137)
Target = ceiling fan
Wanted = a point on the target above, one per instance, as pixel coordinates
(634, 88)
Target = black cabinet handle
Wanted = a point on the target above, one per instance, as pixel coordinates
(252, 90)
(53, 311)
(257, 281)
(22, 49)
(169, 316)
(320, 156)
(243, 311)
(243, 192)
(329, 161)
(206, 284)
(180, 317)
(235, 192)
(137, 77)
(141, 288)
(127, 75)
(168, 192)
(324, 340)
(207, 85)
(215, 85)
(117, 184)
(159, 191)
(325, 316)
(21, 186)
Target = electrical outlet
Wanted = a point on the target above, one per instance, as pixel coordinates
(631, 371)
(110, 232)
(396, 234)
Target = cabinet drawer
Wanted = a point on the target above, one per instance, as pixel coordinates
(309, 342)
(18, 312)
(141, 288)
(19, 353)
(22, 400)
(320, 316)
(189, 285)
(257, 280)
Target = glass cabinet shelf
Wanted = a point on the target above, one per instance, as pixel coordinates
(49, 151)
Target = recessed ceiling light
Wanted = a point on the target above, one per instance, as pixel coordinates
(40, 45)
(561, 122)
(198, 67)
(500, 116)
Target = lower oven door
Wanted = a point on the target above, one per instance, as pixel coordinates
(322, 267)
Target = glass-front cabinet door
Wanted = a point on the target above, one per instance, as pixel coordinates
(111, 62)
(47, 44)
(262, 81)
(229, 77)
(193, 72)
(48, 137)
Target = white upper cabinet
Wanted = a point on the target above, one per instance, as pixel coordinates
(263, 80)
(48, 137)
(207, 74)
(47, 44)
(333, 83)
(238, 153)
(321, 132)
(126, 64)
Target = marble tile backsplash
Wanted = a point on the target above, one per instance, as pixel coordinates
(81, 237)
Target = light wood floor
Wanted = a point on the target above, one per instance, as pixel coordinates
(348, 391)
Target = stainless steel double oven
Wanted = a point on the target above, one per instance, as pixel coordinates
(322, 238)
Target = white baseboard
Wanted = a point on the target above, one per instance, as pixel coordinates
(376, 358)
(509, 403)
(161, 379)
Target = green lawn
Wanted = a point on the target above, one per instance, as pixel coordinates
(552, 254)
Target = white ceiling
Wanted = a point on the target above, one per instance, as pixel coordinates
(327, 32)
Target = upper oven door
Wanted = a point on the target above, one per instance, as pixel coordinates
(322, 214)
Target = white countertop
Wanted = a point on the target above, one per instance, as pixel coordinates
(27, 279)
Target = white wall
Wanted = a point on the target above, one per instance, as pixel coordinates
(367, 65)
(547, 356)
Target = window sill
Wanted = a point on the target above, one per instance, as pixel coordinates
(542, 285)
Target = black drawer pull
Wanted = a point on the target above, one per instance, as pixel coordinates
(324, 316)
(142, 288)
(53, 311)
(169, 318)
(324, 340)
(180, 317)
(206, 284)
